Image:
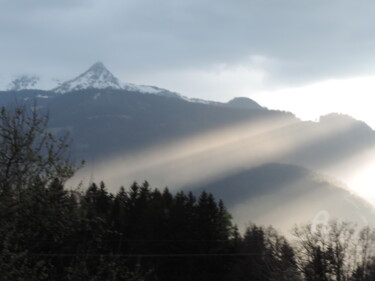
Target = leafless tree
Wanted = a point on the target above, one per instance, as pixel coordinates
(29, 151)
(326, 252)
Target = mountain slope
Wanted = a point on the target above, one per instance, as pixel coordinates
(128, 133)
(282, 195)
(108, 121)
(127, 136)
(217, 139)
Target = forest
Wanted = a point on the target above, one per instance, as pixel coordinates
(49, 232)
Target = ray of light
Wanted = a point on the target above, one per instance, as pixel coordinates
(213, 154)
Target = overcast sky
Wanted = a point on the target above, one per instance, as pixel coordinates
(287, 54)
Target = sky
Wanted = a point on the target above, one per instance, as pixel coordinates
(308, 57)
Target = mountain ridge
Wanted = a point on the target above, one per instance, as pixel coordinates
(97, 76)
(125, 136)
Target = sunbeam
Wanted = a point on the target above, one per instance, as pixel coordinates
(207, 156)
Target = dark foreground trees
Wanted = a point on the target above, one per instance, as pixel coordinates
(137, 234)
(267, 256)
(140, 233)
(147, 234)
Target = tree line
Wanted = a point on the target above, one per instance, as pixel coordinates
(141, 233)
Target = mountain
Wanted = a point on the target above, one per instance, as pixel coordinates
(126, 136)
(110, 125)
(108, 121)
(284, 194)
(96, 77)
(127, 132)
(99, 77)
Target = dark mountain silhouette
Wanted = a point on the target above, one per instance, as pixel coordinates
(214, 140)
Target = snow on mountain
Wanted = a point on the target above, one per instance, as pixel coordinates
(99, 77)
(149, 90)
(96, 77)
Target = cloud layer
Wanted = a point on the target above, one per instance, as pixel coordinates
(298, 41)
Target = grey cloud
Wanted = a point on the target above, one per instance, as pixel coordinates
(309, 39)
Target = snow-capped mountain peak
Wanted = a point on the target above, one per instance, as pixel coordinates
(97, 77)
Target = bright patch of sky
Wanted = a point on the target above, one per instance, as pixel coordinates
(352, 96)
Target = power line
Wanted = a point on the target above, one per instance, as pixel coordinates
(150, 255)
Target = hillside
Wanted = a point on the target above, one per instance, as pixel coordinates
(143, 132)
(284, 195)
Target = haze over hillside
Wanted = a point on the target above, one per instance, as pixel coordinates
(127, 132)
